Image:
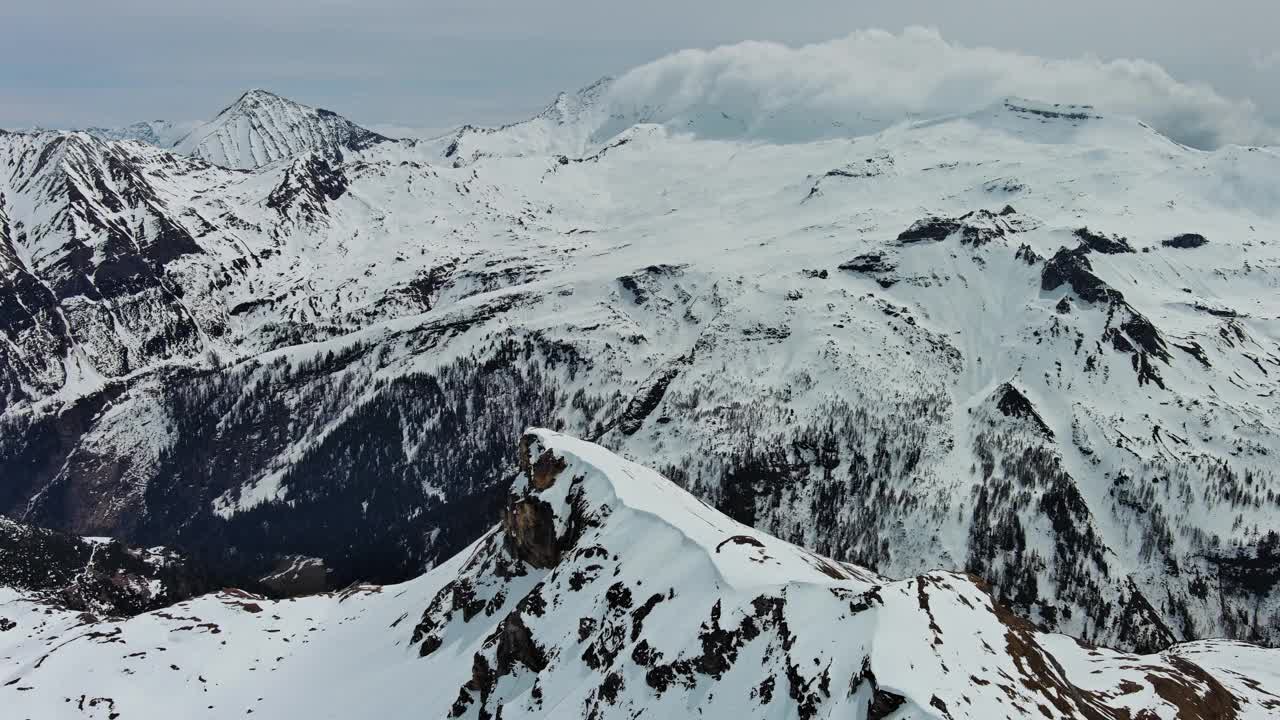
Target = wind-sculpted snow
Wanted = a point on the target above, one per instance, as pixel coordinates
(609, 592)
(964, 343)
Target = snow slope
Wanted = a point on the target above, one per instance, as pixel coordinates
(609, 592)
(987, 342)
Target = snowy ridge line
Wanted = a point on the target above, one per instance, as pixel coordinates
(591, 600)
(598, 474)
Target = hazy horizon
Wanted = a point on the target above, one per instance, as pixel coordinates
(437, 64)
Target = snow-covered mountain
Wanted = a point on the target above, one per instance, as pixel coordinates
(262, 127)
(1037, 343)
(609, 592)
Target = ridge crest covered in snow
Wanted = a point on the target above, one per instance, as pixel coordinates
(607, 591)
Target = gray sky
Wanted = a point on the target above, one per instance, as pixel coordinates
(436, 63)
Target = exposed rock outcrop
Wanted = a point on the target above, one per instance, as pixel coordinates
(1072, 267)
(1185, 241)
(1103, 243)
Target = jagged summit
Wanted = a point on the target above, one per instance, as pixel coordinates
(262, 127)
(569, 107)
(569, 126)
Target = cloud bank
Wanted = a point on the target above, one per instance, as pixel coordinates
(872, 79)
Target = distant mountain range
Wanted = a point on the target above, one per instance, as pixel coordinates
(1034, 343)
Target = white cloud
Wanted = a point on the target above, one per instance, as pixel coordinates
(871, 79)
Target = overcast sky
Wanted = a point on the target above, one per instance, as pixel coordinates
(430, 63)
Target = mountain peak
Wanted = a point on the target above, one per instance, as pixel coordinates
(569, 107)
(260, 93)
(612, 590)
(261, 127)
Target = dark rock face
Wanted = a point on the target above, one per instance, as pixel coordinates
(1142, 332)
(307, 187)
(930, 229)
(1185, 241)
(648, 398)
(529, 525)
(1137, 336)
(1195, 350)
(1012, 403)
(1216, 311)
(542, 472)
(529, 522)
(35, 448)
(1072, 267)
(38, 338)
(516, 645)
(1105, 244)
(876, 264)
(976, 228)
